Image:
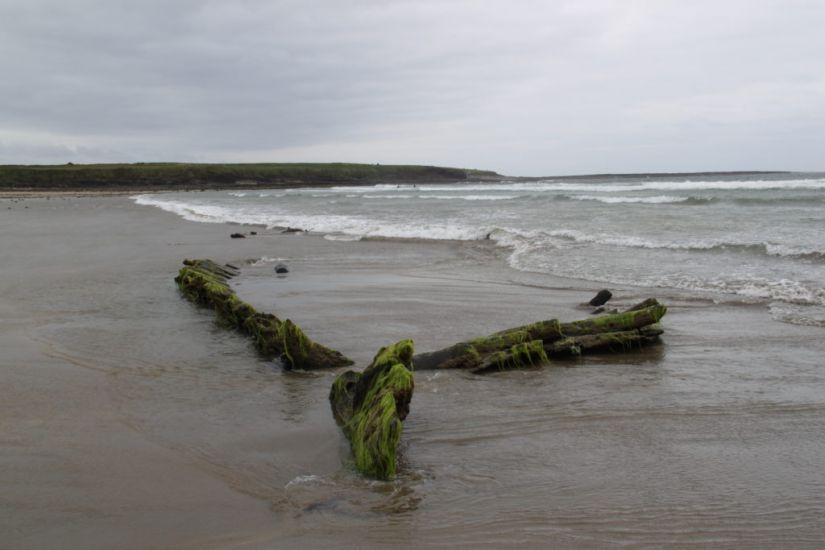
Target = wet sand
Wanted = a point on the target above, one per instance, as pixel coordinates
(129, 420)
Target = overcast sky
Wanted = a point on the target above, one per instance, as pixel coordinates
(521, 87)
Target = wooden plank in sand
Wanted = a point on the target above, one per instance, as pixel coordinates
(206, 283)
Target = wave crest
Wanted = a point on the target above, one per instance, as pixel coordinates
(659, 199)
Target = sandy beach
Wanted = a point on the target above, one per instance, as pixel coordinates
(128, 419)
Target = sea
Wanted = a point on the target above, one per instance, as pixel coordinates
(756, 237)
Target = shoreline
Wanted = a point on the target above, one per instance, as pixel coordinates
(438, 175)
(500, 251)
(78, 193)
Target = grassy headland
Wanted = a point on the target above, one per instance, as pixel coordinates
(140, 176)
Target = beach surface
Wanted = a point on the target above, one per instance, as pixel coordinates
(128, 419)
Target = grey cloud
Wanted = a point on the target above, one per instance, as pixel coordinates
(521, 87)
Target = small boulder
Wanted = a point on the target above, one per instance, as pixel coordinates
(253, 232)
(237, 236)
(293, 230)
(601, 298)
(281, 268)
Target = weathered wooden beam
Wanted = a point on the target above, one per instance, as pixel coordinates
(517, 347)
(627, 320)
(206, 283)
(369, 407)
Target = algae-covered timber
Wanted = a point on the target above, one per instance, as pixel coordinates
(539, 342)
(627, 320)
(369, 407)
(206, 283)
(526, 354)
(619, 341)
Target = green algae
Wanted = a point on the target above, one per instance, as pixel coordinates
(499, 340)
(614, 342)
(370, 407)
(628, 320)
(613, 332)
(472, 354)
(294, 343)
(547, 330)
(206, 283)
(528, 354)
(400, 352)
(376, 429)
(623, 341)
(525, 354)
(565, 346)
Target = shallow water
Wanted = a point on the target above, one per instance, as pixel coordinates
(757, 236)
(713, 438)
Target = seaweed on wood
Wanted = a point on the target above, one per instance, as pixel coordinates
(369, 407)
(206, 283)
(540, 342)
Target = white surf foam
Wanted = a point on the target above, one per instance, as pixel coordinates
(342, 238)
(207, 213)
(659, 199)
(806, 315)
(353, 226)
(606, 187)
(535, 250)
(470, 197)
(264, 260)
(395, 196)
(627, 241)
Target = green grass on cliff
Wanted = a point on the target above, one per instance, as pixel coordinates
(194, 176)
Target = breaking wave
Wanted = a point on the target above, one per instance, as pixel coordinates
(659, 199)
(438, 197)
(361, 226)
(354, 226)
(730, 263)
(767, 249)
(605, 187)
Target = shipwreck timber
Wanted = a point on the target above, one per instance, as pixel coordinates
(206, 283)
(369, 407)
(539, 342)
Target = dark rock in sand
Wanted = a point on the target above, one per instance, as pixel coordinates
(293, 230)
(237, 236)
(601, 298)
(281, 268)
(253, 232)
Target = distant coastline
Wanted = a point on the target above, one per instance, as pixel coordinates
(643, 175)
(129, 178)
(80, 179)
